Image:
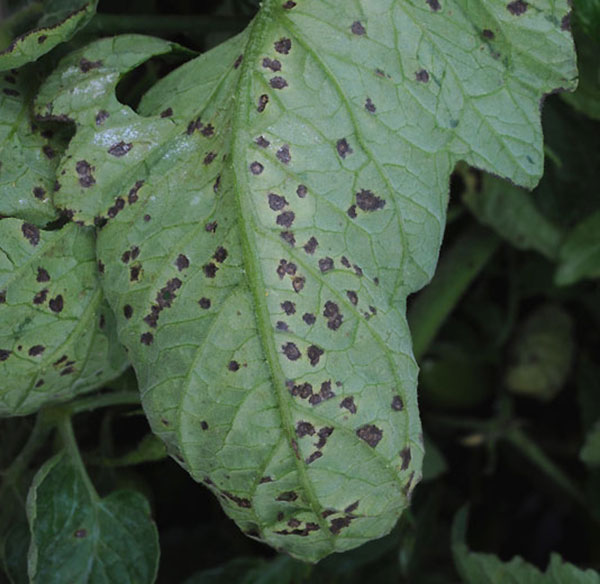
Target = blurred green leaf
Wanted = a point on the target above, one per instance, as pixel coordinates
(14, 551)
(434, 463)
(590, 452)
(481, 568)
(79, 538)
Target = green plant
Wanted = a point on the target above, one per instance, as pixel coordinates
(243, 228)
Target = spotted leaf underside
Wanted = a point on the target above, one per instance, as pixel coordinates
(263, 218)
(57, 334)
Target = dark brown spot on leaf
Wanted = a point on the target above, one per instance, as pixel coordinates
(434, 5)
(517, 7)
(256, 168)
(370, 433)
(281, 326)
(264, 480)
(147, 338)
(262, 142)
(166, 113)
(182, 262)
(339, 523)
(286, 219)
(86, 65)
(101, 117)
(204, 303)
(36, 350)
(42, 39)
(357, 28)
(120, 149)
(39, 193)
(565, 23)
(291, 351)
(288, 237)
(204, 425)
(334, 317)
(209, 158)
(272, 64)
(298, 283)
(487, 33)
(405, 456)
(422, 76)
(127, 311)
(211, 227)
(301, 191)
(314, 354)
(352, 296)
(278, 82)
(244, 503)
(31, 233)
(283, 46)
(238, 61)
(288, 307)
(325, 264)
(276, 202)
(288, 5)
(233, 366)
(314, 456)
(370, 106)
(84, 170)
(287, 496)
(343, 148)
(263, 100)
(311, 245)
(304, 429)
(208, 130)
(351, 211)
(4, 354)
(309, 318)
(283, 154)
(56, 304)
(367, 201)
(11, 92)
(134, 273)
(220, 255)
(2, 296)
(326, 392)
(42, 275)
(210, 270)
(397, 403)
(40, 297)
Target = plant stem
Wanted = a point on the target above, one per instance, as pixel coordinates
(457, 269)
(161, 24)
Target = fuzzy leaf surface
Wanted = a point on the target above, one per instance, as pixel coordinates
(266, 214)
(57, 22)
(57, 334)
(80, 538)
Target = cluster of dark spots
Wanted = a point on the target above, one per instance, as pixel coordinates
(343, 148)
(256, 168)
(193, 126)
(304, 429)
(302, 391)
(263, 100)
(517, 7)
(276, 202)
(323, 435)
(48, 152)
(302, 532)
(283, 46)
(147, 338)
(262, 142)
(204, 425)
(56, 304)
(127, 311)
(326, 264)
(311, 245)
(238, 61)
(397, 403)
(422, 76)
(39, 193)
(281, 326)
(164, 299)
(239, 501)
(210, 270)
(220, 255)
(278, 82)
(405, 456)
(291, 351)
(134, 272)
(132, 196)
(309, 318)
(272, 64)
(204, 303)
(116, 208)
(298, 283)
(351, 211)
(209, 158)
(352, 296)
(334, 317)
(4, 354)
(370, 433)
(233, 366)
(283, 154)
(287, 496)
(40, 297)
(288, 307)
(211, 227)
(264, 480)
(42, 275)
(565, 23)
(284, 268)
(357, 28)
(31, 233)
(288, 5)
(84, 170)
(101, 266)
(120, 148)
(488, 34)
(166, 113)
(286, 219)
(314, 354)
(101, 117)
(348, 404)
(339, 523)
(11, 92)
(434, 5)
(86, 65)
(182, 262)
(288, 237)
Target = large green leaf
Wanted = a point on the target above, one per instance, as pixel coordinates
(47, 24)
(28, 155)
(478, 568)
(82, 539)
(264, 218)
(57, 335)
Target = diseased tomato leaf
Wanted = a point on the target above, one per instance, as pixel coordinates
(263, 218)
(57, 335)
(58, 21)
